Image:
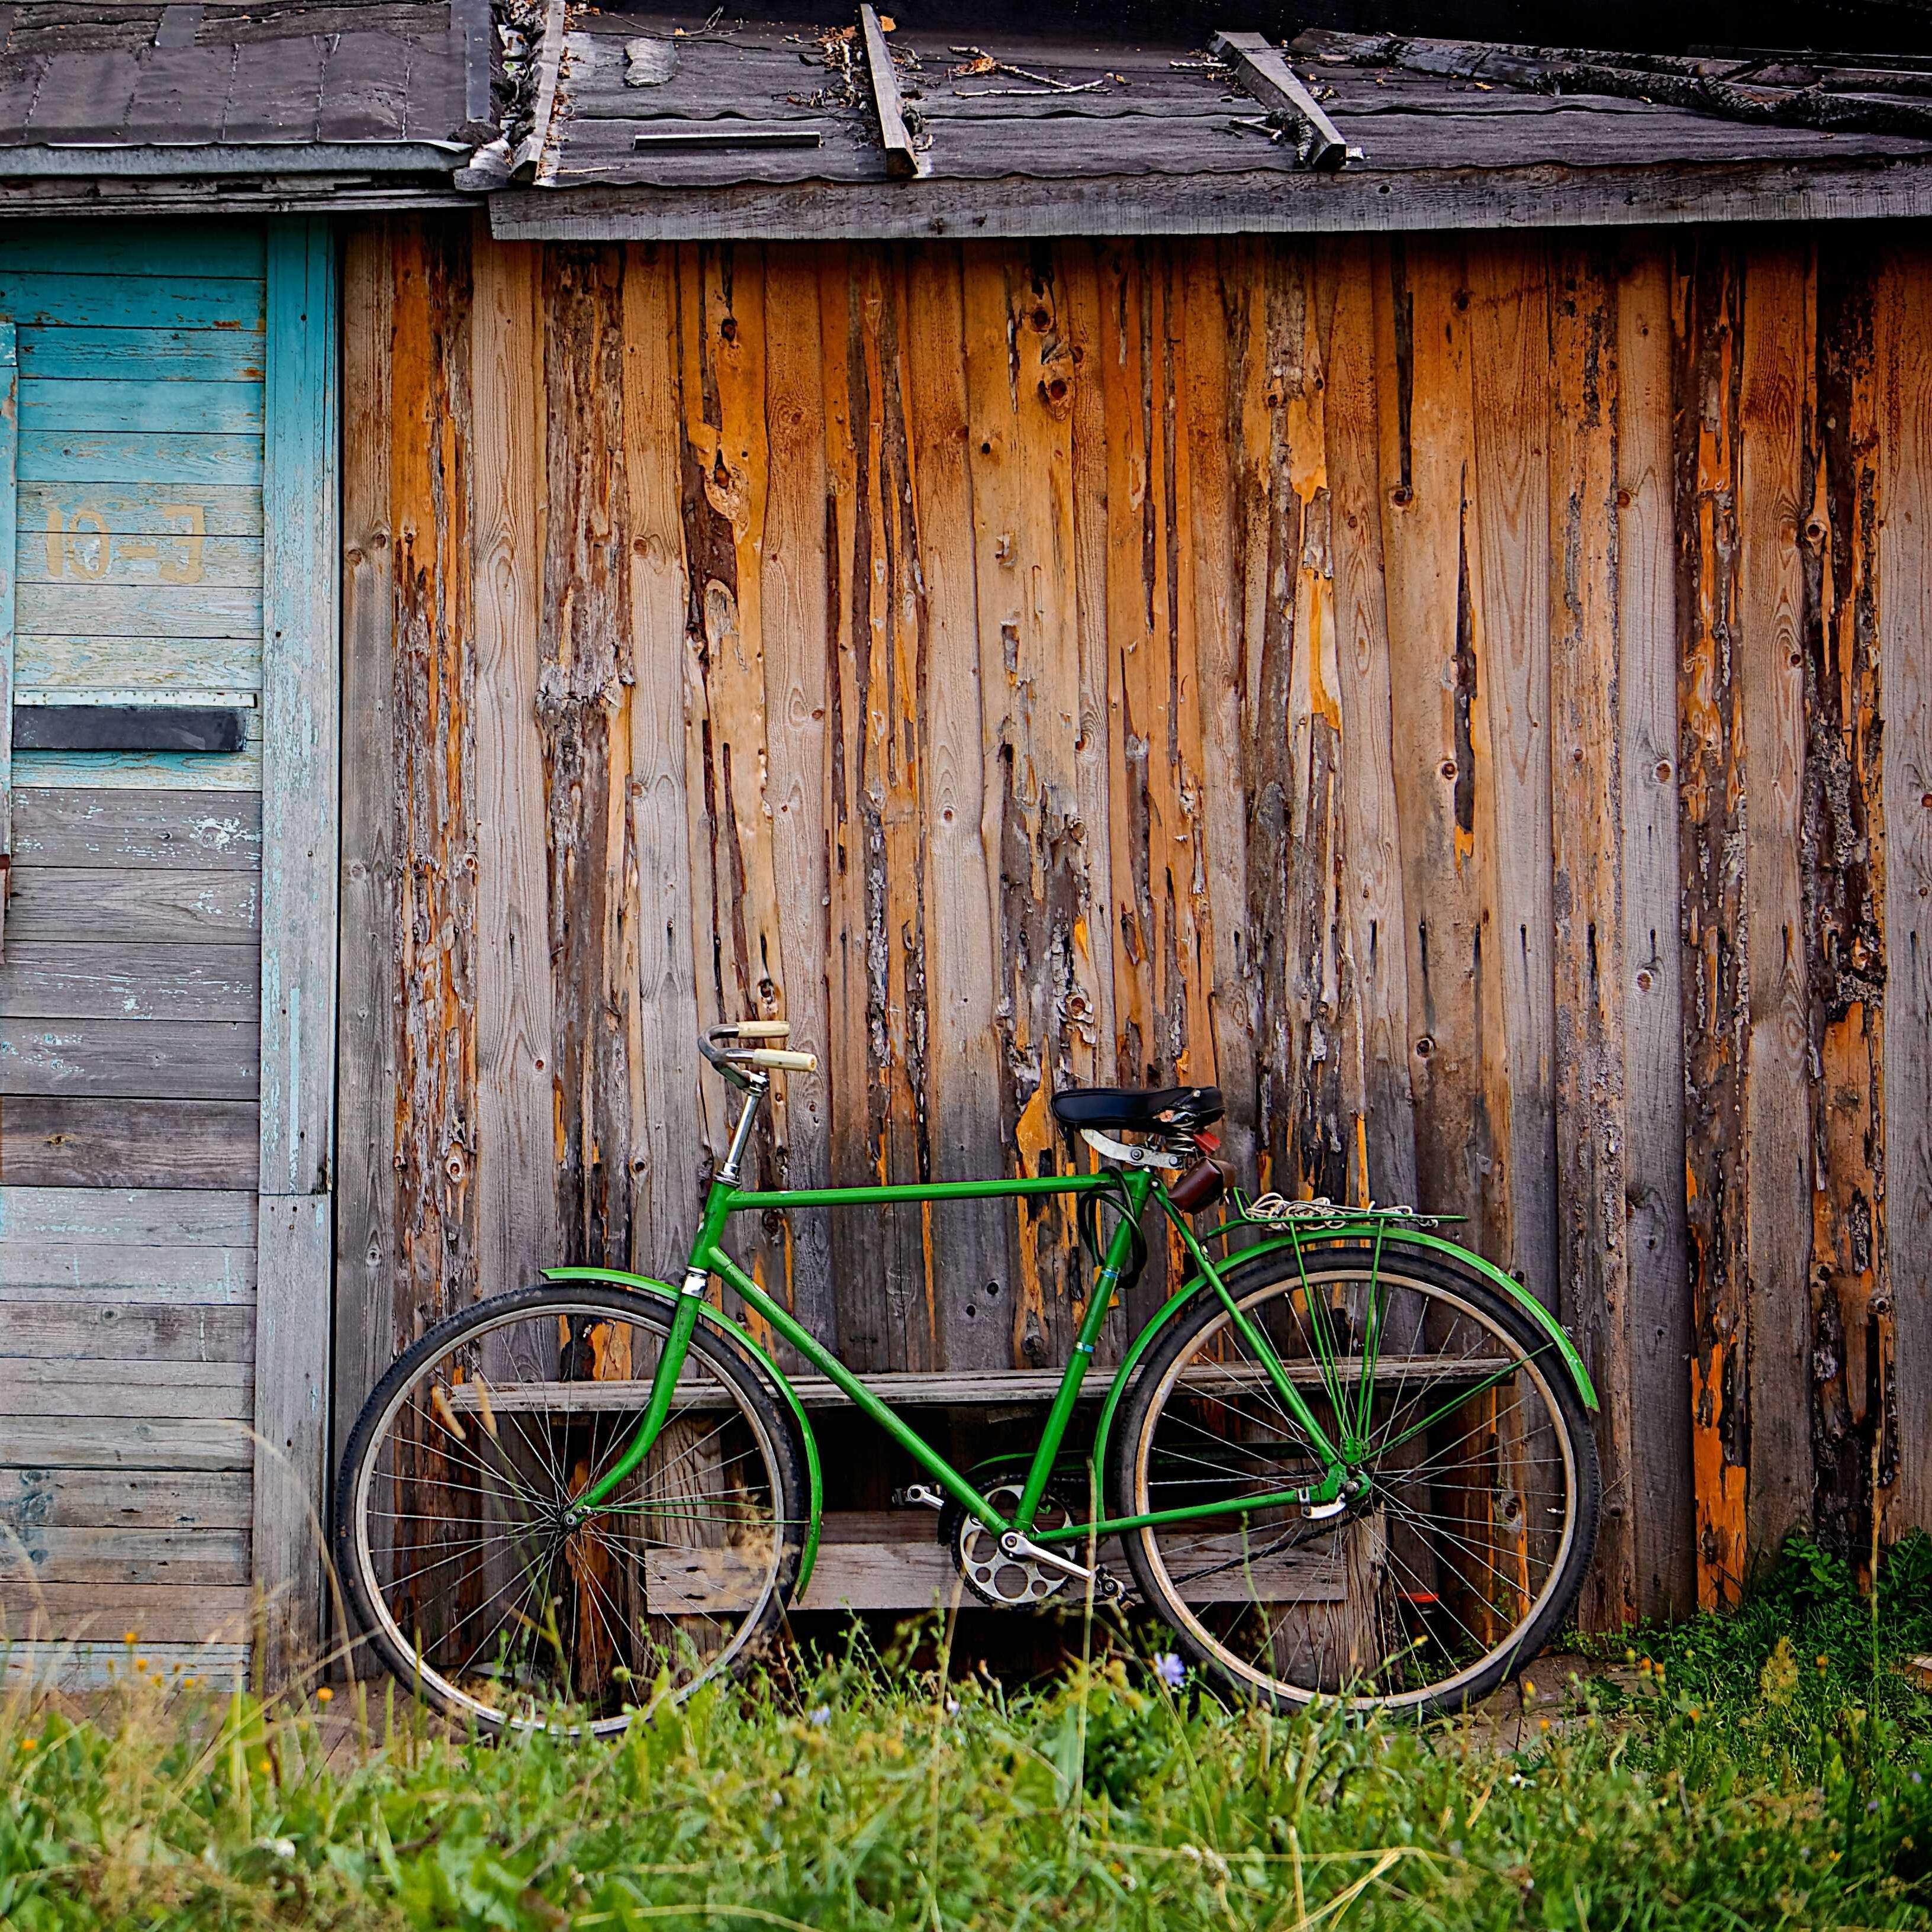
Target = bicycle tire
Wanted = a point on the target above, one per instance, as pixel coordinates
(761, 1437)
(1179, 1367)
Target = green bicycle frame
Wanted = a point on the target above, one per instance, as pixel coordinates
(1134, 1187)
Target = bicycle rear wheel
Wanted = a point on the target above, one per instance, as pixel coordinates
(453, 1533)
(1479, 1515)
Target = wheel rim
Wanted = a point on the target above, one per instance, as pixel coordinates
(469, 1563)
(1463, 1538)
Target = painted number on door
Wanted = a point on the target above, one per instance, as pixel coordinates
(80, 544)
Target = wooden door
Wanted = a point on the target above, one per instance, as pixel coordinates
(132, 1029)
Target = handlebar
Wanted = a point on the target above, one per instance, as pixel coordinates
(730, 1059)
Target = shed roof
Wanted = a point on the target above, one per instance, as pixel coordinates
(663, 125)
(637, 121)
(104, 87)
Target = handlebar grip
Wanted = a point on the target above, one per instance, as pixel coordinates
(784, 1062)
(762, 1029)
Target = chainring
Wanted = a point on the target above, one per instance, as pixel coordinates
(1006, 1583)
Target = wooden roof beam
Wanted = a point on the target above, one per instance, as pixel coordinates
(902, 161)
(533, 158)
(1263, 72)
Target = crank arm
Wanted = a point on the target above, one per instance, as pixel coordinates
(1015, 1545)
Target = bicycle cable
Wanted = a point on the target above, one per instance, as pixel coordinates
(1087, 1214)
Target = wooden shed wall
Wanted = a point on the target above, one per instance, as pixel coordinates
(1432, 687)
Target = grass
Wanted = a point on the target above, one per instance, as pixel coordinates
(1737, 1781)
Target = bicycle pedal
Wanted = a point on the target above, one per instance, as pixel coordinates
(918, 1495)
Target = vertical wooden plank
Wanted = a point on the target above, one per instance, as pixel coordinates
(585, 758)
(1306, 1050)
(432, 759)
(1854, 1433)
(1904, 616)
(978, 1241)
(1432, 564)
(667, 1152)
(1377, 917)
(793, 605)
(1211, 288)
(366, 1055)
(888, 1309)
(300, 698)
(1773, 503)
(1122, 352)
(1660, 1492)
(854, 1067)
(299, 704)
(1587, 900)
(1163, 1034)
(516, 1210)
(1184, 950)
(1331, 1058)
(10, 426)
(1287, 865)
(1716, 985)
(1021, 380)
(1510, 326)
(1082, 317)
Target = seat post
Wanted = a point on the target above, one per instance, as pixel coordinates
(741, 1134)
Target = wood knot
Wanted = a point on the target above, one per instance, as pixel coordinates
(1402, 495)
(1447, 768)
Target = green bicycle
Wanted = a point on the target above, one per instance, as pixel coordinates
(1351, 1460)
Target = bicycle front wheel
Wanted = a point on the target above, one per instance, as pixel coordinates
(454, 1531)
(1464, 1546)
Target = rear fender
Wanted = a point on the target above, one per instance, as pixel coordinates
(642, 1284)
(1368, 1230)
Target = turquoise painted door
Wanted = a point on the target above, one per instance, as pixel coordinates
(130, 998)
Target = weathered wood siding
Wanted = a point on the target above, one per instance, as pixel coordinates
(1432, 688)
(130, 991)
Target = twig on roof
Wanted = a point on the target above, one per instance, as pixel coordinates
(980, 62)
(1023, 93)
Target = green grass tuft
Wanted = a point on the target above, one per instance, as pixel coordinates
(1745, 1786)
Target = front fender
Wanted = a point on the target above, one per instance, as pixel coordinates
(1364, 1230)
(643, 1284)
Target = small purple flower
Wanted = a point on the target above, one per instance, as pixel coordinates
(822, 1716)
(1170, 1670)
